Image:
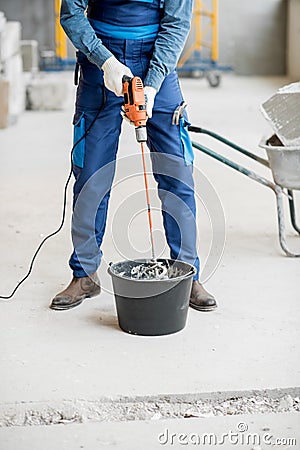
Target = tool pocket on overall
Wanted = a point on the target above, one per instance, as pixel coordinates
(79, 140)
(186, 145)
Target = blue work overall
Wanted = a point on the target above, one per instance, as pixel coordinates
(170, 147)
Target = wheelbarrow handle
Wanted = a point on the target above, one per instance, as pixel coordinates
(278, 190)
(249, 173)
(229, 143)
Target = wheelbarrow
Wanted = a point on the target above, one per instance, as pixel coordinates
(284, 163)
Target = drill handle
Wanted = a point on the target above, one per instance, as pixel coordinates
(126, 79)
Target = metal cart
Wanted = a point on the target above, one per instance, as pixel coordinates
(284, 163)
(204, 37)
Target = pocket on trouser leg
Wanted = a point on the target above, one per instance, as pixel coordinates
(186, 145)
(79, 141)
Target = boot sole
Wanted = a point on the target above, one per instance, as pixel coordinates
(203, 308)
(74, 304)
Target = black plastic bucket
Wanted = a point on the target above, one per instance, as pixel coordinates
(151, 307)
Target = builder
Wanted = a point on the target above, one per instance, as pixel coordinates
(116, 38)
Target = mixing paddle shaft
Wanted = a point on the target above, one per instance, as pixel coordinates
(148, 201)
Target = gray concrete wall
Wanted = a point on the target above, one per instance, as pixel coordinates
(252, 34)
(294, 40)
(37, 19)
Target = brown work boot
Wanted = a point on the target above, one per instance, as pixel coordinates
(76, 292)
(200, 299)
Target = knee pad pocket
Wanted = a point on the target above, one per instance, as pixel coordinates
(186, 145)
(79, 141)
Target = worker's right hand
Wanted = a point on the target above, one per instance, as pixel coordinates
(114, 72)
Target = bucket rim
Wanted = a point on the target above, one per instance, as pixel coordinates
(192, 271)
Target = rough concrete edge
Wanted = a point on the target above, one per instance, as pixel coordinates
(218, 395)
(167, 406)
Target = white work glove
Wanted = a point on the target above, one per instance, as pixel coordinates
(113, 75)
(150, 94)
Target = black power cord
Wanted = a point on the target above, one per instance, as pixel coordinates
(7, 297)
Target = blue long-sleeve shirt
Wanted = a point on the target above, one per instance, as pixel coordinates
(174, 28)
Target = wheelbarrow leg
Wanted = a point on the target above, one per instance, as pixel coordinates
(281, 224)
(293, 211)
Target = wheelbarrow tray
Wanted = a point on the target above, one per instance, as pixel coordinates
(284, 162)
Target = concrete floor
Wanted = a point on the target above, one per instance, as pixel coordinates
(248, 343)
(261, 433)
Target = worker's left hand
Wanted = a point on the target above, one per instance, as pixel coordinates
(150, 94)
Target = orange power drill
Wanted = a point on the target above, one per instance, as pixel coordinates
(135, 105)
